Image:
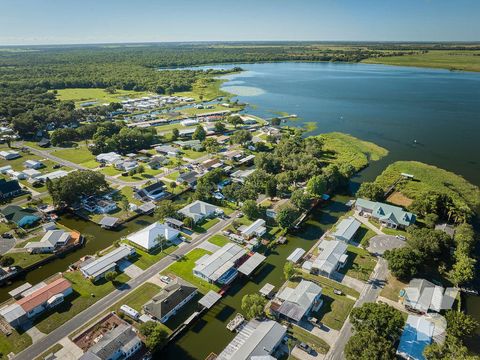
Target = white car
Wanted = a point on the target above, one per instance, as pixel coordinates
(166, 279)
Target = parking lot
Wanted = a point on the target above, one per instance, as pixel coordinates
(381, 243)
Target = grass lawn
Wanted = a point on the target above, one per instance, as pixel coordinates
(77, 302)
(192, 154)
(25, 259)
(144, 259)
(173, 176)
(360, 263)
(137, 298)
(329, 283)
(429, 178)
(183, 268)
(78, 155)
(444, 59)
(80, 95)
(392, 288)
(208, 88)
(303, 335)
(210, 223)
(15, 343)
(55, 348)
(219, 240)
(128, 193)
(363, 236)
(343, 148)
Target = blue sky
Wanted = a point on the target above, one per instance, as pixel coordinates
(99, 21)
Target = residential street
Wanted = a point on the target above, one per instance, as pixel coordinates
(85, 316)
(370, 293)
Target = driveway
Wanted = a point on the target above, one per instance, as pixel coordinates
(381, 243)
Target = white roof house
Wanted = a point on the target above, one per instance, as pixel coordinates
(199, 210)
(97, 268)
(257, 228)
(5, 168)
(108, 158)
(297, 302)
(241, 175)
(257, 339)
(423, 296)
(147, 237)
(296, 255)
(10, 154)
(347, 229)
(49, 241)
(332, 255)
(53, 175)
(31, 173)
(219, 266)
(33, 164)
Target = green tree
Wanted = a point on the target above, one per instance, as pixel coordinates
(250, 209)
(235, 120)
(164, 209)
(286, 216)
(220, 127)
(154, 334)
(6, 260)
(161, 241)
(317, 185)
(367, 345)
(275, 121)
(188, 222)
(463, 270)
(430, 220)
(289, 270)
(271, 188)
(370, 191)
(211, 145)
(199, 134)
(460, 324)
(429, 243)
(301, 199)
(253, 305)
(382, 319)
(403, 263)
(175, 134)
(111, 276)
(140, 169)
(241, 137)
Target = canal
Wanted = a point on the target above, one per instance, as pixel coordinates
(99, 239)
(209, 334)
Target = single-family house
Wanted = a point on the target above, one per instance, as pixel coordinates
(167, 150)
(298, 302)
(157, 161)
(97, 268)
(9, 189)
(109, 222)
(33, 164)
(98, 205)
(211, 164)
(53, 175)
(32, 174)
(125, 165)
(417, 334)
(346, 229)
(186, 132)
(189, 122)
(154, 191)
(51, 240)
(42, 298)
(219, 267)
(4, 169)
(256, 340)
(257, 228)
(296, 255)
(388, 215)
(190, 178)
(121, 342)
(108, 158)
(170, 300)
(20, 216)
(422, 296)
(199, 210)
(16, 175)
(233, 154)
(331, 257)
(9, 154)
(241, 175)
(148, 237)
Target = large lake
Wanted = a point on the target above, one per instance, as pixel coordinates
(391, 106)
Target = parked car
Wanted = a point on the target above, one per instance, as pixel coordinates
(337, 292)
(57, 166)
(7, 235)
(401, 237)
(305, 348)
(239, 215)
(166, 279)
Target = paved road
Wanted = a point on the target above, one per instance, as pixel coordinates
(369, 294)
(109, 300)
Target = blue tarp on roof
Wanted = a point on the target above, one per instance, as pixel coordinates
(416, 335)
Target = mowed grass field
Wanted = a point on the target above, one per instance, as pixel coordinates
(80, 95)
(443, 59)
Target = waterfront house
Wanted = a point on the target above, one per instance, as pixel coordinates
(9, 189)
(297, 303)
(257, 228)
(98, 205)
(170, 300)
(256, 340)
(20, 216)
(199, 210)
(418, 333)
(33, 164)
(296, 255)
(121, 342)
(109, 222)
(37, 300)
(219, 267)
(97, 268)
(346, 229)
(387, 215)
(9, 154)
(331, 257)
(147, 238)
(190, 178)
(51, 241)
(154, 191)
(422, 296)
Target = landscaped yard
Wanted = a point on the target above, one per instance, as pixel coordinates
(183, 268)
(392, 287)
(219, 240)
(84, 295)
(25, 259)
(192, 154)
(363, 236)
(137, 298)
(15, 343)
(304, 336)
(359, 264)
(144, 259)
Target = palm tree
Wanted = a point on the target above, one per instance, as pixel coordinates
(161, 241)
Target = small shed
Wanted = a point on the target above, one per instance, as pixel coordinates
(267, 290)
(210, 299)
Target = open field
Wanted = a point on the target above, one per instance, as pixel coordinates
(443, 59)
(219, 240)
(205, 89)
(429, 178)
(344, 148)
(399, 199)
(81, 95)
(78, 155)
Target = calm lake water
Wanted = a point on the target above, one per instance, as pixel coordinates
(391, 106)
